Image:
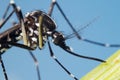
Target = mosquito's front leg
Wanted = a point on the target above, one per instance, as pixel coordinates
(51, 7)
(20, 17)
(4, 18)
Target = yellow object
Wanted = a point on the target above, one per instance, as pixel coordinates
(25, 40)
(40, 32)
(106, 71)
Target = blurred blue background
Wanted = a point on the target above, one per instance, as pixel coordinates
(18, 62)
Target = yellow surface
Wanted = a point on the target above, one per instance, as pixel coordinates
(106, 71)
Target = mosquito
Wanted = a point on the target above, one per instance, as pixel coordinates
(36, 29)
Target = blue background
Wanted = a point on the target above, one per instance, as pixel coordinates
(18, 62)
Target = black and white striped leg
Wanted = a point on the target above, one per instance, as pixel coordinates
(67, 20)
(77, 34)
(21, 19)
(53, 56)
(51, 7)
(16, 45)
(85, 57)
(36, 64)
(53, 3)
(23, 47)
(19, 14)
(100, 44)
(4, 19)
(3, 68)
(93, 42)
(6, 11)
(15, 9)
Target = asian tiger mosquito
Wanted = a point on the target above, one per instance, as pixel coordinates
(35, 29)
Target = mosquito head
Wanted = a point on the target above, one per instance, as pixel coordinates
(58, 39)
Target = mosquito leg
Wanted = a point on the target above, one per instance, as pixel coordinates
(5, 20)
(16, 45)
(3, 67)
(51, 7)
(81, 56)
(77, 34)
(36, 64)
(53, 56)
(21, 19)
(101, 44)
(67, 20)
(79, 37)
(17, 10)
(6, 11)
(24, 47)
